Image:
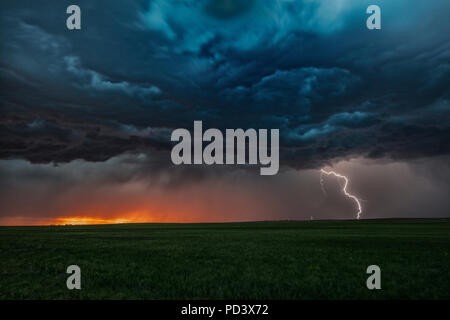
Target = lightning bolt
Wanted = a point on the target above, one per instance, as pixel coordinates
(344, 188)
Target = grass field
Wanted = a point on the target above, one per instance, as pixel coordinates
(260, 260)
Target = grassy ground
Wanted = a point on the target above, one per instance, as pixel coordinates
(264, 260)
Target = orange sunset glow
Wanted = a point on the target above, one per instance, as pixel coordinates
(88, 220)
(79, 220)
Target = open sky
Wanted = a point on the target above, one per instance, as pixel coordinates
(86, 115)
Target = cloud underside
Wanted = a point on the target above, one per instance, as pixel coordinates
(137, 189)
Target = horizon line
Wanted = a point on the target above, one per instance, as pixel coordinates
(229, 222)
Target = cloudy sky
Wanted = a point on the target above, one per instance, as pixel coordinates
(86, 115)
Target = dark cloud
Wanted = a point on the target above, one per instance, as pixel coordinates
(311, 69)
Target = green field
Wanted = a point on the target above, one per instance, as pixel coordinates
(260, 260)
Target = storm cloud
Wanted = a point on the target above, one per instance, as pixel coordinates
(135, 71)
(309, 68)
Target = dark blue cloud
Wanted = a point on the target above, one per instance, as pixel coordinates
(310, 68)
